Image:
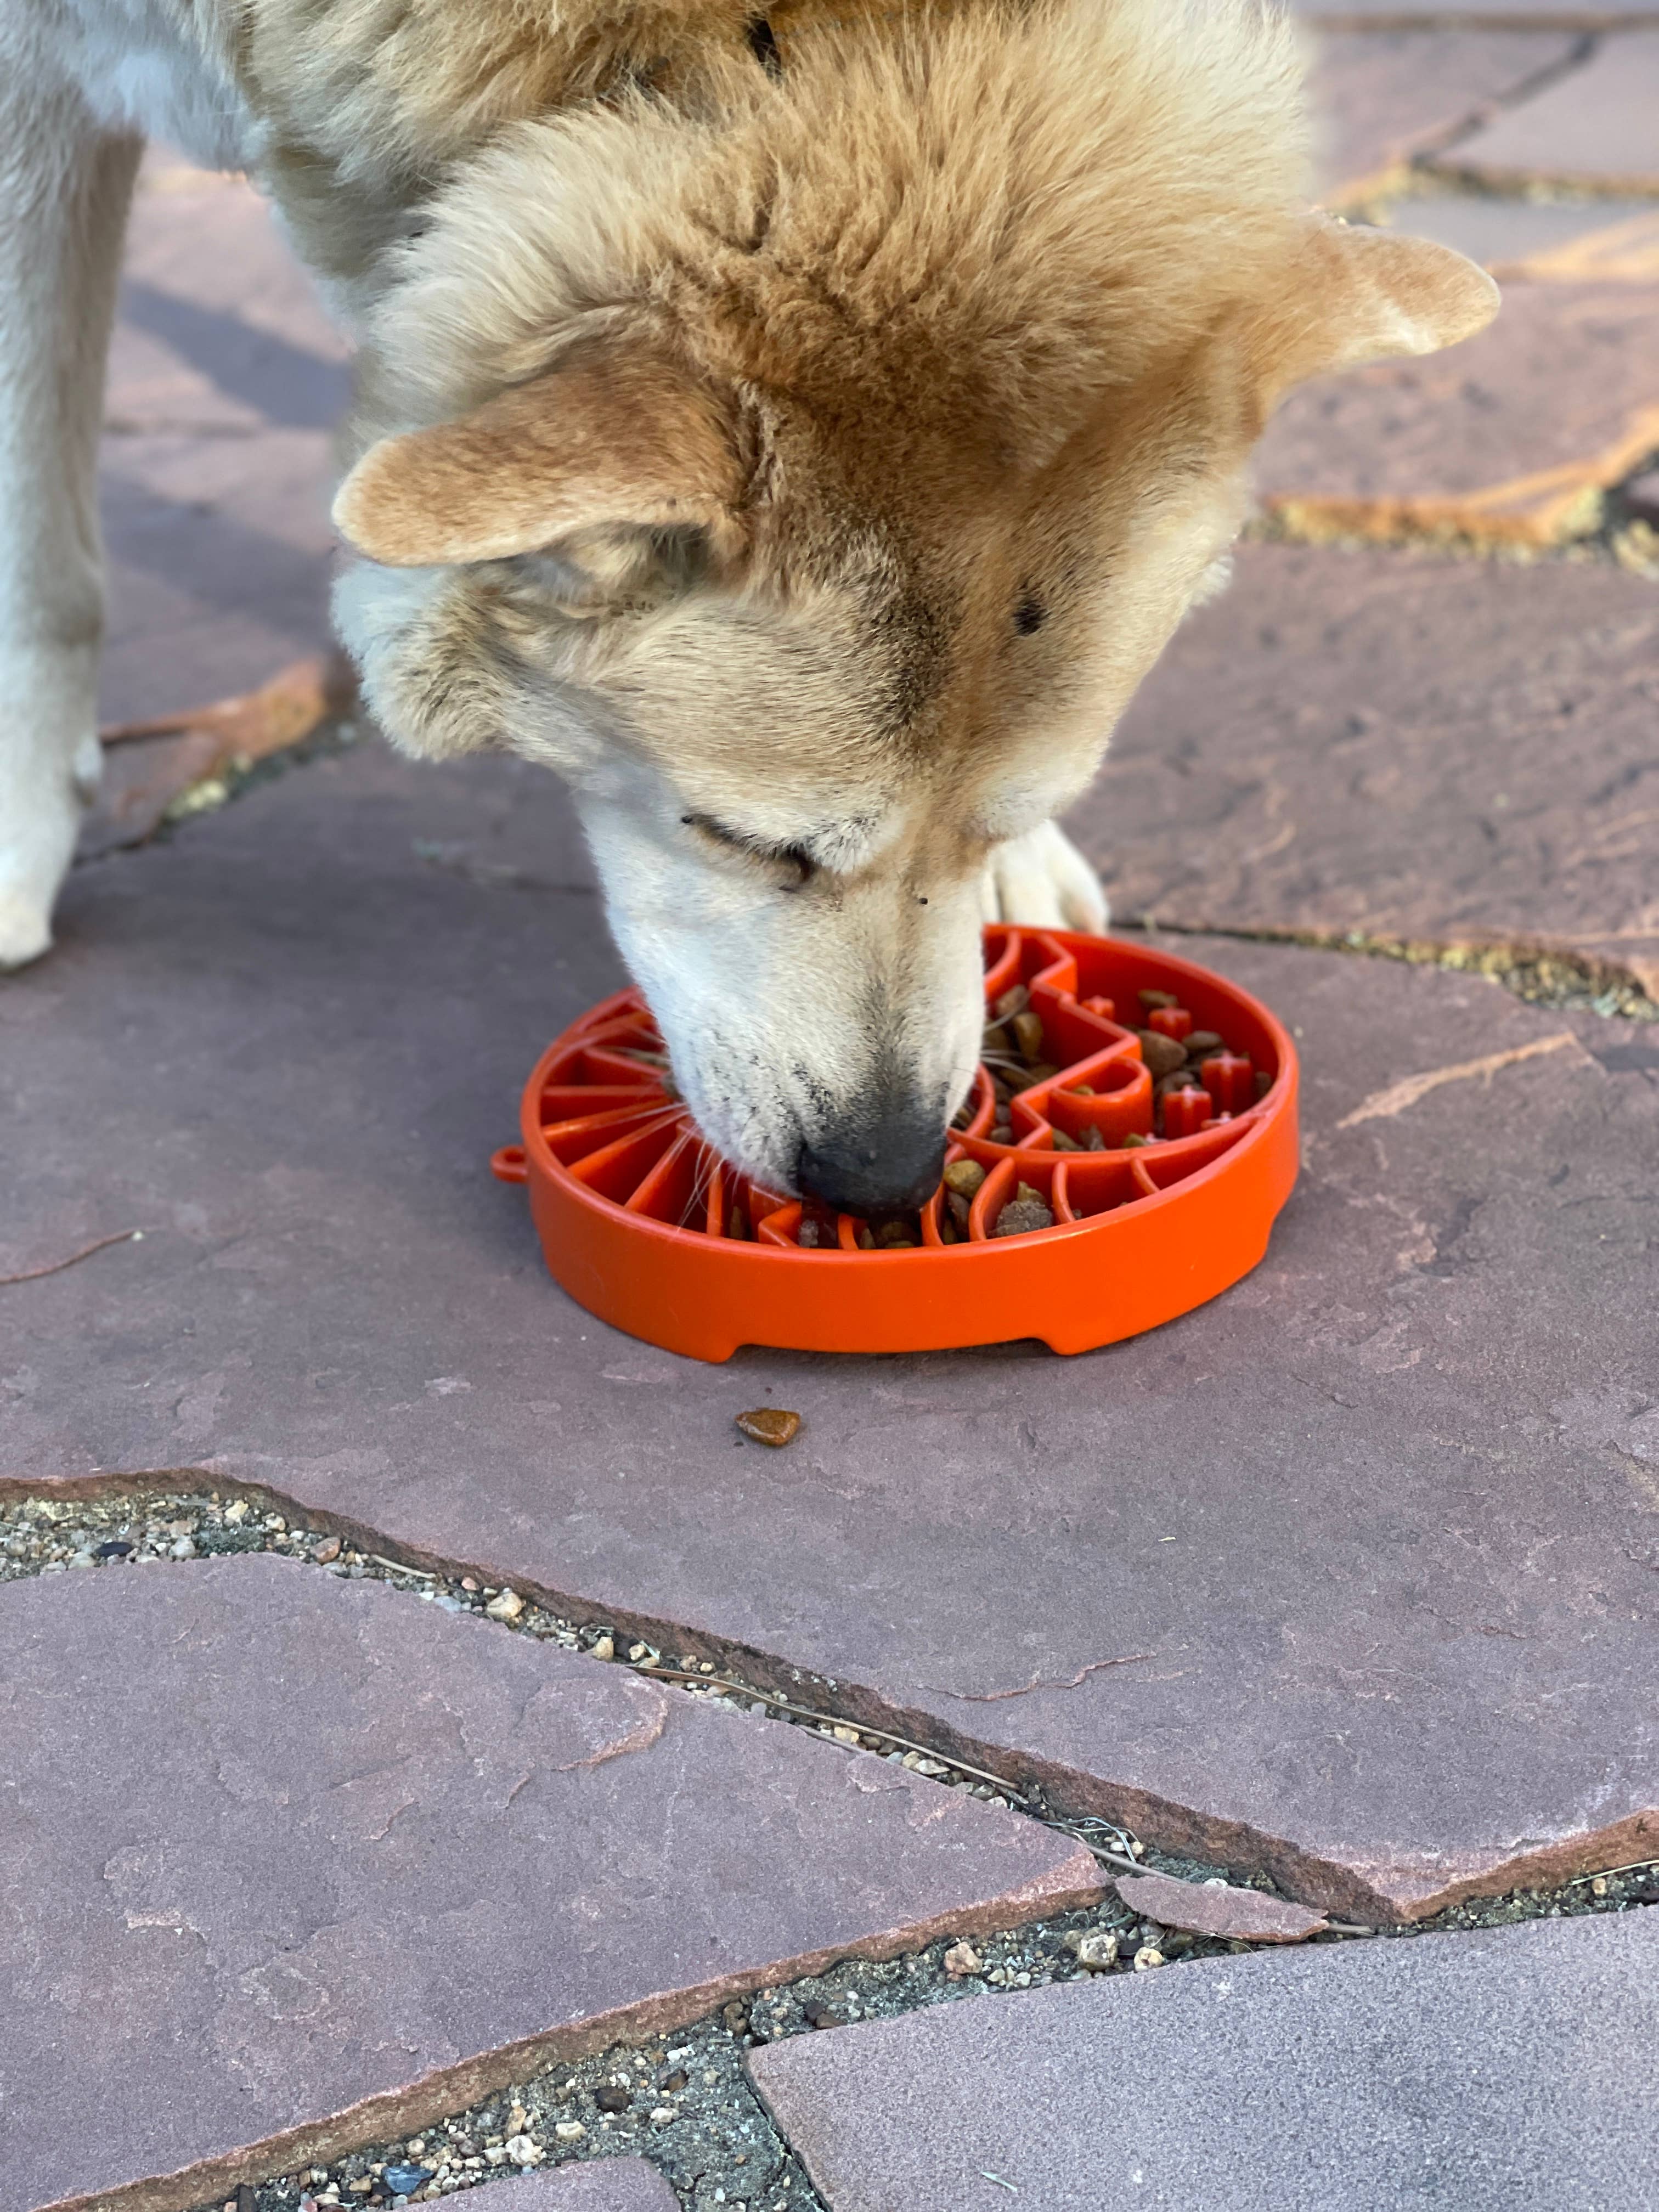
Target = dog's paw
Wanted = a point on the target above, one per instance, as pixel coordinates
(1042, 880)
(25, 929)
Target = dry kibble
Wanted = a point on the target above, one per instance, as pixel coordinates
(807, 1236)
(1028, 1034)
(964, 1176)
(1151, 999)
(960, 1207)
(1026, 1211)
(1011, 1003)
(770, 1424)
(1200, 1043)
(737, 1225)
(1162, 1054)
(1095, 1143)
(1062, 1143)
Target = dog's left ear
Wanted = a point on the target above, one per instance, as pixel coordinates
(1356, 294)
(591, 462)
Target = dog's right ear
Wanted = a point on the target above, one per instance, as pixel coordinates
(596, 465)
(1356, 294)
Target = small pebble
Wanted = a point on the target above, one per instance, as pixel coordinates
(118, 1549)
(327, 1551)
(1148, 1956)
(507, 1605)
(770, 1424)
(523, 2150)
(404, 2180)
(611, 2099)
(570, 2130)
(960, 1959)
(1094, 1947)
(606, 1648)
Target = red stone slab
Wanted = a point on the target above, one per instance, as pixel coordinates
(600, 2184)
(1482, 14)
(1402, 1627)
(1542, 241)
(1484, 2071)
(225, 379)
(1596, 130)
(1509, 439)
(297, 1863)
(1217, 1909)
(1417, 750)
(1379, 102)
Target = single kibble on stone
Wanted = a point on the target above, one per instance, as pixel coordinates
(1150, 999)
(1011, 1003)
(1200, 1043)
(1162, 1054)
(1027, 1034)
(964, 1177)
(770, 1424)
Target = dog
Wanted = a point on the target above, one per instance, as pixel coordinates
(802, 432)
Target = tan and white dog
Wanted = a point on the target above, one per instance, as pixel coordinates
(802, 432)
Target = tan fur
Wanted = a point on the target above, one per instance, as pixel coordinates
(807, 463)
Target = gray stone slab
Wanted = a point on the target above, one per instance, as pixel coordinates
(1384, 1517)
(608, 2184)
(225, 379)
(1453, 753)
(1596, 129)
(1379, 102)
(296, 1863)
(1494, 2072)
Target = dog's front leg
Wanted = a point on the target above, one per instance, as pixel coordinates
(65, 187)
(1042, 880)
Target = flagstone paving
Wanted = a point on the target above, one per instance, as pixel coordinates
(299, 1861)
(1596, 129)
(611, 2184)
(1382, 101)
(1348, 1577)
(1510, 439)
(226, 381)
(1492, 2072)
(1410, 748)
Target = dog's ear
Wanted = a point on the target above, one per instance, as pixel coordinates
(594, 464)
(1356, 294)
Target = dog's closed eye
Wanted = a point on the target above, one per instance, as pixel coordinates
(792, 866)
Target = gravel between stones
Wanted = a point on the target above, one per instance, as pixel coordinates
(684, 2101)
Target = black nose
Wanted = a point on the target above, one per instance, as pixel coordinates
(887, 1160)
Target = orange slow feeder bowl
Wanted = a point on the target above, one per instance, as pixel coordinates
(646, 1227)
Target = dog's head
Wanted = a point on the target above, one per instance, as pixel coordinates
(811, 471)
